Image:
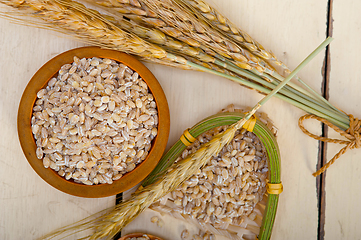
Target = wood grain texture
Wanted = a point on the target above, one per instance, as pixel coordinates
(290, 29)
(343, 177)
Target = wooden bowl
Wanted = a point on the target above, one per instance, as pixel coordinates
(130, 235)
(27, 141)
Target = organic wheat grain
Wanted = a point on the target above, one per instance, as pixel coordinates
(86, 124)
(229, 186)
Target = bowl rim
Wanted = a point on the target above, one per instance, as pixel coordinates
(27, 141)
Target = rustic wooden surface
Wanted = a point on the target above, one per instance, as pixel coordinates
(343, 179)
(30, 208)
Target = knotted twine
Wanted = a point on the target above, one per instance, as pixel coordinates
(352, 134)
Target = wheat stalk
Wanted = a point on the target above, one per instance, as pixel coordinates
(89, 26)
(214, 18)
(197, 55)
(173, 18)
(176, 7)
(175, 22)
(75, 19)
(226, 27)
(57, 14)
(156, 36)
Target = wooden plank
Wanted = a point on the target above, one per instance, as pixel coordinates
(343, 178)
(284, 28)
(29, 207)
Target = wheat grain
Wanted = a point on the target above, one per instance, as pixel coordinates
(90, 140)
(224, 176)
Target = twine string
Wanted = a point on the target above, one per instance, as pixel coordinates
(352, 134)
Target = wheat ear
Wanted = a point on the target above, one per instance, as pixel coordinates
(168, 17)
(87, 25)
(170, 44)
(216, 19)
(195, 54)
(142, 15)
(211, 15)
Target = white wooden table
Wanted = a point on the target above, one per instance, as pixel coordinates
(30, 208)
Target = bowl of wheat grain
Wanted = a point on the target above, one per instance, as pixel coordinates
(93, 122)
